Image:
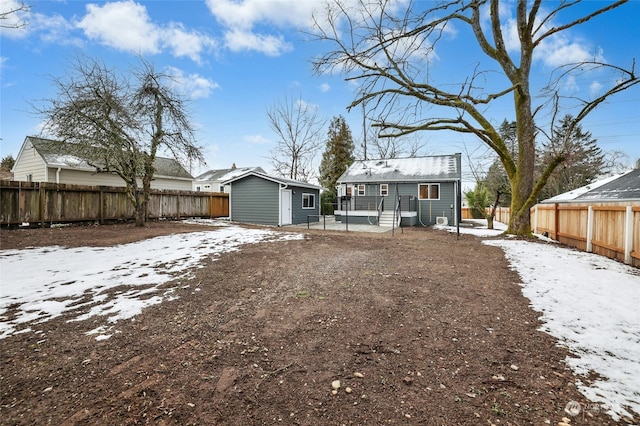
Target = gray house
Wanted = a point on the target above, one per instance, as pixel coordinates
(401, 191)
(269, 200)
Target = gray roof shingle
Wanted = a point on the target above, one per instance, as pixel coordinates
(626, 187)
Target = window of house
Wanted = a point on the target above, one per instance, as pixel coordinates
(29, 178)
(384, 189)
(361, 190)
(429, 191)
(308, 201)
(221, 189)
(349, 191)
(198, 188)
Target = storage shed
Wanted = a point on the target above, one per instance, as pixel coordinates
(258, 198)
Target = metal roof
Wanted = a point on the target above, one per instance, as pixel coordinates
(417, 169)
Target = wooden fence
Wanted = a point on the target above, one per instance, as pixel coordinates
(44, 203)
(608, 229)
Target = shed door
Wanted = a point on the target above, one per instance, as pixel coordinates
(285, 207)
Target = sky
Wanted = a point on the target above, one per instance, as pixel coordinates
(235, 59)
(588, 302)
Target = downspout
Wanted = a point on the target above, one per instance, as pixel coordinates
(58, 175)
(286, 185)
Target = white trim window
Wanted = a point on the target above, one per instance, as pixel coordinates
(429, 191)
(384, 189)
(361, 190)
(308, 201)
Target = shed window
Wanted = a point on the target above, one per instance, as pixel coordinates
(308, 201)
(429, 191)
(361, 190)
(384, 189)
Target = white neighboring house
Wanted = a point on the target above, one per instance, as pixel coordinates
(39, 161)
(213, 180)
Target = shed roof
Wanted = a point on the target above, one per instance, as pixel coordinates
(62, 154)
(276, 179)
(226, 174)
(431, 168)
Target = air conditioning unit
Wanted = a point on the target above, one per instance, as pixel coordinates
(442, 220)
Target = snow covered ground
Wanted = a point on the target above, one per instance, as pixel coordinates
(48, 281)
(589, 303)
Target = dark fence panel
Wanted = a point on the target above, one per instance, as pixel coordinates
(42, 203)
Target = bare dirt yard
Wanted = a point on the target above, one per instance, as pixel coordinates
(418, 328)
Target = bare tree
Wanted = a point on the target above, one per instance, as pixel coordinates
(387, 48)
(119, 125)
(12, 17)
(299, 138)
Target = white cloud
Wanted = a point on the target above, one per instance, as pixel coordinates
(559, 50)
(246, 14)
(184, 43)
(595, 88)
(256, 139)
(121, 25)
(240, 19)
(555, 51)
(193, 86)
(325, 87)
(239, 40)
(14, 20)
(125, 25)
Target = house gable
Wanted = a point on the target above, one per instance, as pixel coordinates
(255, 200)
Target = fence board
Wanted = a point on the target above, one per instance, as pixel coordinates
(42, 203)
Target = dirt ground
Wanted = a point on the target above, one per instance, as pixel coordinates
(419, 328)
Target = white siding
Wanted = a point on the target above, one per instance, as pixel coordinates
(82, 177)
(29, 162)
(172, 184)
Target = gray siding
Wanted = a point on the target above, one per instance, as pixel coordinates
(430, 209)
(298, 214)
(255, 200)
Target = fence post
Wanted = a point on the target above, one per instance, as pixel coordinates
(556, 221)
(101, 197)
(628, 235)
(535, 219)
(589, 229)
(41, 206)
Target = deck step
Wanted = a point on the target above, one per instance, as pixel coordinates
(386, 219)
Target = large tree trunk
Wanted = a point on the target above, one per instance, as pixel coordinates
(141, 209)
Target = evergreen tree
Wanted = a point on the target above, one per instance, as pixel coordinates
(584, 160)
(337, 157)
(7, 163)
